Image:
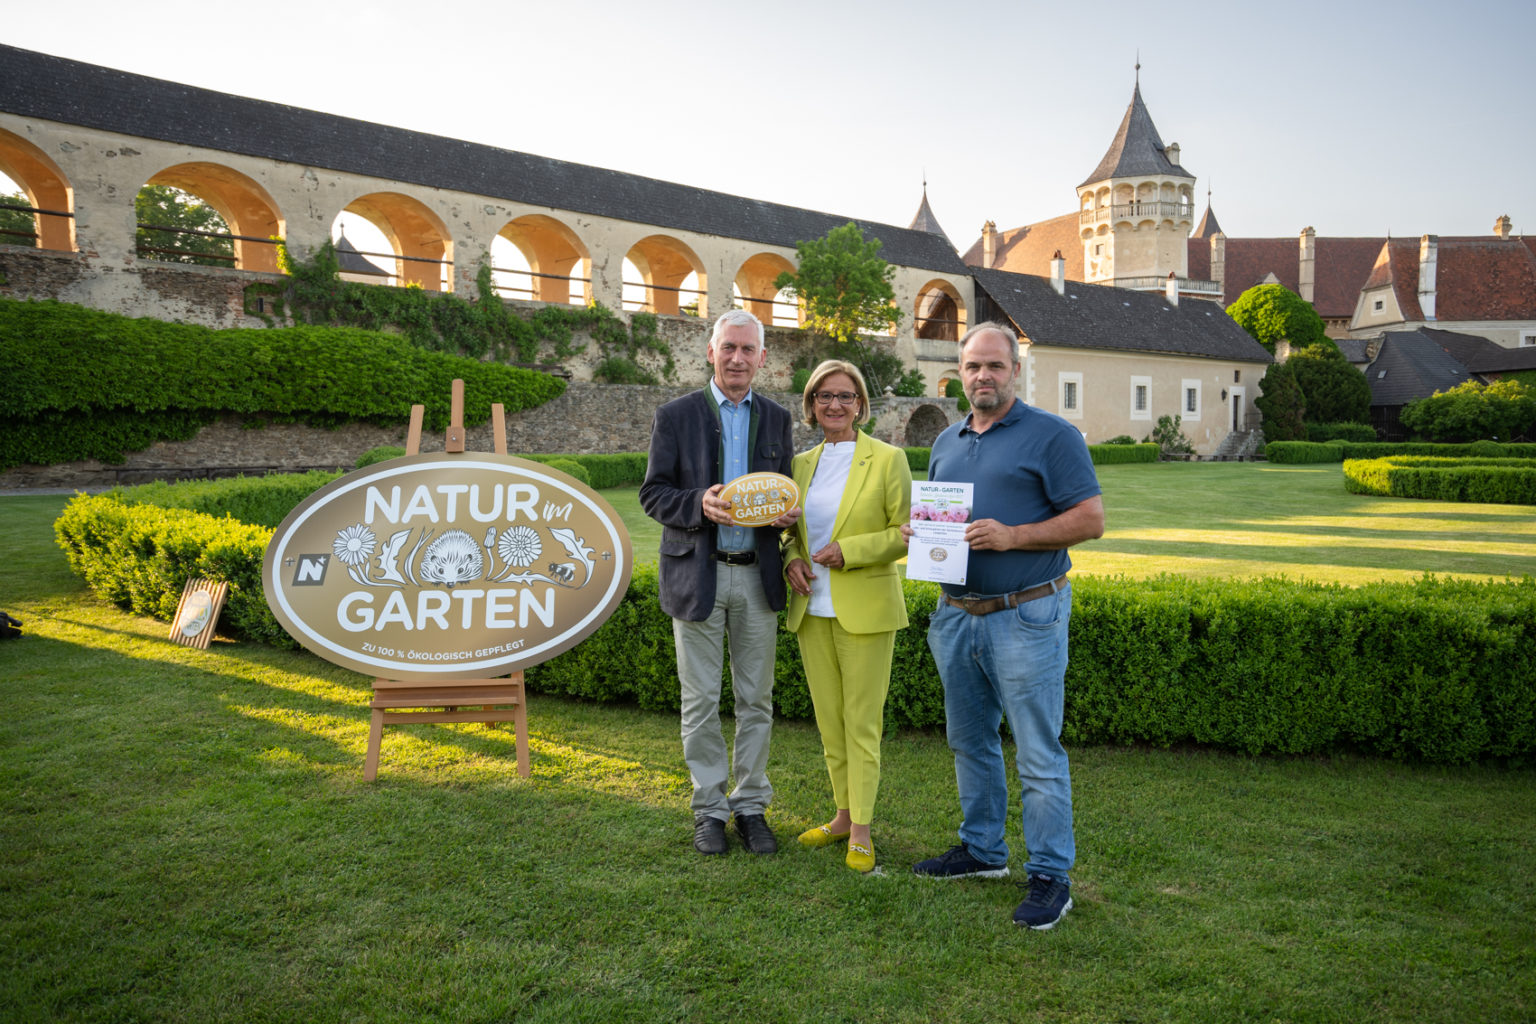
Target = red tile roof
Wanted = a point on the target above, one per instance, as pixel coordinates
(1029, 249)
(1475, 278)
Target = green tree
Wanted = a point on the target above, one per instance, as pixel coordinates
(1282, 403)
(16, 226)
(162, 206)
(843, 284)
(1269, 312)
(1335, 391)
(1473, 411)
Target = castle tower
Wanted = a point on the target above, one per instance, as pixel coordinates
(1136, 209)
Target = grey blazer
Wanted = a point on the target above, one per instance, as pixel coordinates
(684, 462)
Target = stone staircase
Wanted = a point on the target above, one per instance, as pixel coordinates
(1240, 446)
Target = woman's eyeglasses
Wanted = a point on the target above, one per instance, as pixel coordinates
(843, 397)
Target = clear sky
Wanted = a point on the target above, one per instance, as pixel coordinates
(1355, 118)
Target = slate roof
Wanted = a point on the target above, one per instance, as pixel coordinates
(51, 88)
(352, 261)
(1355, 350)
(1411, 365)
(1137, 149)
(1475, 278)
(1479, 354)
(924, 220)
(1092, 316)
(1029, 249)
(1207, 227)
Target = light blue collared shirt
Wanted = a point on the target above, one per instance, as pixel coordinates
(735, 426)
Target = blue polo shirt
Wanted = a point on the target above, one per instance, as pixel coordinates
(1028, 467)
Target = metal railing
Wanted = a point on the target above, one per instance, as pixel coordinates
(222, 257)
(33, 236)
(649, 305)
(578, 296)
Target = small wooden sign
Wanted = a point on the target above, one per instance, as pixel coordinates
(198, 612)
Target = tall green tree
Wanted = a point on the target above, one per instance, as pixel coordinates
(843, 284)
(16, 226)
(162, 206)
(1281, 401)
(1269, 312)
(1474, 411)
(1335, 391)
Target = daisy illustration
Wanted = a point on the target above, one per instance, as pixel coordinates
(354, 545)
(520, 546)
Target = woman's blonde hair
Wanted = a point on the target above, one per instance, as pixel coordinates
(821, 373)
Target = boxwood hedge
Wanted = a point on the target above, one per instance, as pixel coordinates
(1337, 451)
(1497, 481)
(1436, 670)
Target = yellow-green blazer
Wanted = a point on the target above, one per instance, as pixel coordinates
(867, 591)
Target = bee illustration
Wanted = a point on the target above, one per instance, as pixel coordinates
(563, 571)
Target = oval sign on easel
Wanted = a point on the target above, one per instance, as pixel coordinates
(447, 566)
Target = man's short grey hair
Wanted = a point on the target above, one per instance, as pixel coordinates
(737, 318)
(992, 325)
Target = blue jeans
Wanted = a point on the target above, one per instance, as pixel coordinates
(1011, 662)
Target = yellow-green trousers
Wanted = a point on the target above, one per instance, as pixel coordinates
(848, 675)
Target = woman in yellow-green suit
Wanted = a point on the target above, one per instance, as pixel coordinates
(845, 601)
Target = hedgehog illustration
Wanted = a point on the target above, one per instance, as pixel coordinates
(452, 558)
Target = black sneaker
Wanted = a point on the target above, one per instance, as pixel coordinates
(1048, 901)
(957, 862)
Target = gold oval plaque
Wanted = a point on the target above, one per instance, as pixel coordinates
(447, 567)
(757, 499)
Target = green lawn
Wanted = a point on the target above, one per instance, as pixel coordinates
(187, 837)
(1246, 519)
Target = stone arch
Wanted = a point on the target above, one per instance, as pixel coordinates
(423, 250)
(248, 209)
(663, 265)
(756, 294)
(45, 187)
(925, 424)
(939, 311)
(557, 261)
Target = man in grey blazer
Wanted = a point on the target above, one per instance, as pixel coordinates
(717, 578)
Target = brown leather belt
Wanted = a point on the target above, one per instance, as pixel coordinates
(735, 557)
(988, 605)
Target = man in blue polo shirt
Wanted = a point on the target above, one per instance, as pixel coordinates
(1000, 640)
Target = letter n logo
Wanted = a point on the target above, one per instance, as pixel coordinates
(310, 571)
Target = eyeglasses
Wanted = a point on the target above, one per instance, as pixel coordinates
(843, 397)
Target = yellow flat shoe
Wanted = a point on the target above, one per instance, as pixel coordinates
(861, 858)
(820, 836)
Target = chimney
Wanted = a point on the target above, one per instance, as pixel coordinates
(988, 243)
(1501, 228)
(1307, 276)
(1282, 349)
(1171, 289)
(1219, 262)
(1429, 246)
(1172, 152)
(1059, 273)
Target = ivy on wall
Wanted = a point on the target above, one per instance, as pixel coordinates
(442, 322)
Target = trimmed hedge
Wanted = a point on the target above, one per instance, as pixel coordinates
(1118, 454)
(1355, 433)
(1437, 671)
(1297, 452)
(86, 384)
(259, 501)
(1494, 481)
(622, 469)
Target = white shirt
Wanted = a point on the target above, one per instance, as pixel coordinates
(821, 501)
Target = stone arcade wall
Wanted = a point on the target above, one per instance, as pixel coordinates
(587, 418)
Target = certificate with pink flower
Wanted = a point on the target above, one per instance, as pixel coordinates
(938, 551)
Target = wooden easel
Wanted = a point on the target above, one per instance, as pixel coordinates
(499, 699)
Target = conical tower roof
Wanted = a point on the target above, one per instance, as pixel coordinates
(926, 221)
(1137, 149)
(351, 261)
(1207, 226)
